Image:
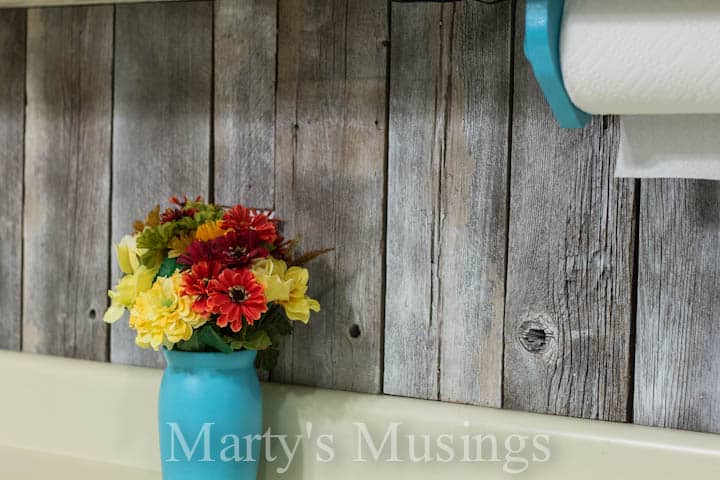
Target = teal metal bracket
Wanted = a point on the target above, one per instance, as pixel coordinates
(542, 41)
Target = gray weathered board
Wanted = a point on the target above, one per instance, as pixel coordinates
(244, 113)
(677, 352)
(330, 177)
(482, 255)
(447, 187)
(67, 181)
(12, 120)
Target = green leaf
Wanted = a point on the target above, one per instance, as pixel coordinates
(276, 323)
(212, 338)
(267, 359)
(168, 267)
(155, 240)
(152, 258)
(257, 340)
(192, 345)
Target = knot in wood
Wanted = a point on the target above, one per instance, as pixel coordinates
(534, 336)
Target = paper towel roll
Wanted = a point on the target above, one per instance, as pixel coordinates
(653, 60)
(642, 56)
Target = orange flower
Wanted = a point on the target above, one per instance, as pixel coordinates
(195, 282)
(210, 231)
(236, 295)
(242, 219)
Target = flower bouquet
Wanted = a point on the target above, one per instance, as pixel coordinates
(215, 288)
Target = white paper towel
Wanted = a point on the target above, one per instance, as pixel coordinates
(655, 60)
(669, 146)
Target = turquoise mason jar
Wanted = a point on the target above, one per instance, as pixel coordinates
(210, 416)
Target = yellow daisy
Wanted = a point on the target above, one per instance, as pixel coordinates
(162, 316)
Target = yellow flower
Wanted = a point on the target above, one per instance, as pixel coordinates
(129, 287)
(298, 306)
(209, 231)
(162, 316)
(129, 254)
(179, 244)
(286, 287)
(270, 273)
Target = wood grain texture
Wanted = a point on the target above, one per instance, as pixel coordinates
(449, 109)
(67, 181)
(244, 114)
(473, 206)
(12, 121)
(677, 358)
(331, 110)
(418, 85)
(161, 142)
(570, 263)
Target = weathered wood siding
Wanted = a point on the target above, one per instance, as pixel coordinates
(330, 176)
(67, 181)
(677, 353)
(12, 121)
(482, 255)
(447, 191)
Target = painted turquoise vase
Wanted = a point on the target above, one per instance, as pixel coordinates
(210, 416)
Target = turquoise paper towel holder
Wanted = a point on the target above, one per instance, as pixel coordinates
(542, 38)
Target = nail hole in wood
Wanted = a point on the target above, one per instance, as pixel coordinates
(92, 314)
(354, 330)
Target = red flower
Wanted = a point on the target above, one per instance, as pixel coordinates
(239, 249)
(281, 247)
(240, 219)
(170, 214)
(195, 282)
(235, 294)
(182, 203)
(199, 251)
(234, 250)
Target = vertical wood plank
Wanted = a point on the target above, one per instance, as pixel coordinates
(449, 109)
(331, 109)
(473, 206)
(677, 359)
(161, 141)
(418, 85)
(570, 263)
(244, 114)
(12, 120)
(67, 181)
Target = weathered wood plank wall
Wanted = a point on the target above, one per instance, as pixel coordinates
(67, 180)
(331, 115)
(677, 357)
(447, 188)
(245, 46)
(12, 121)
(482, 255)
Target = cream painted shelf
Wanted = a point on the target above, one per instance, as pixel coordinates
(86, 420)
